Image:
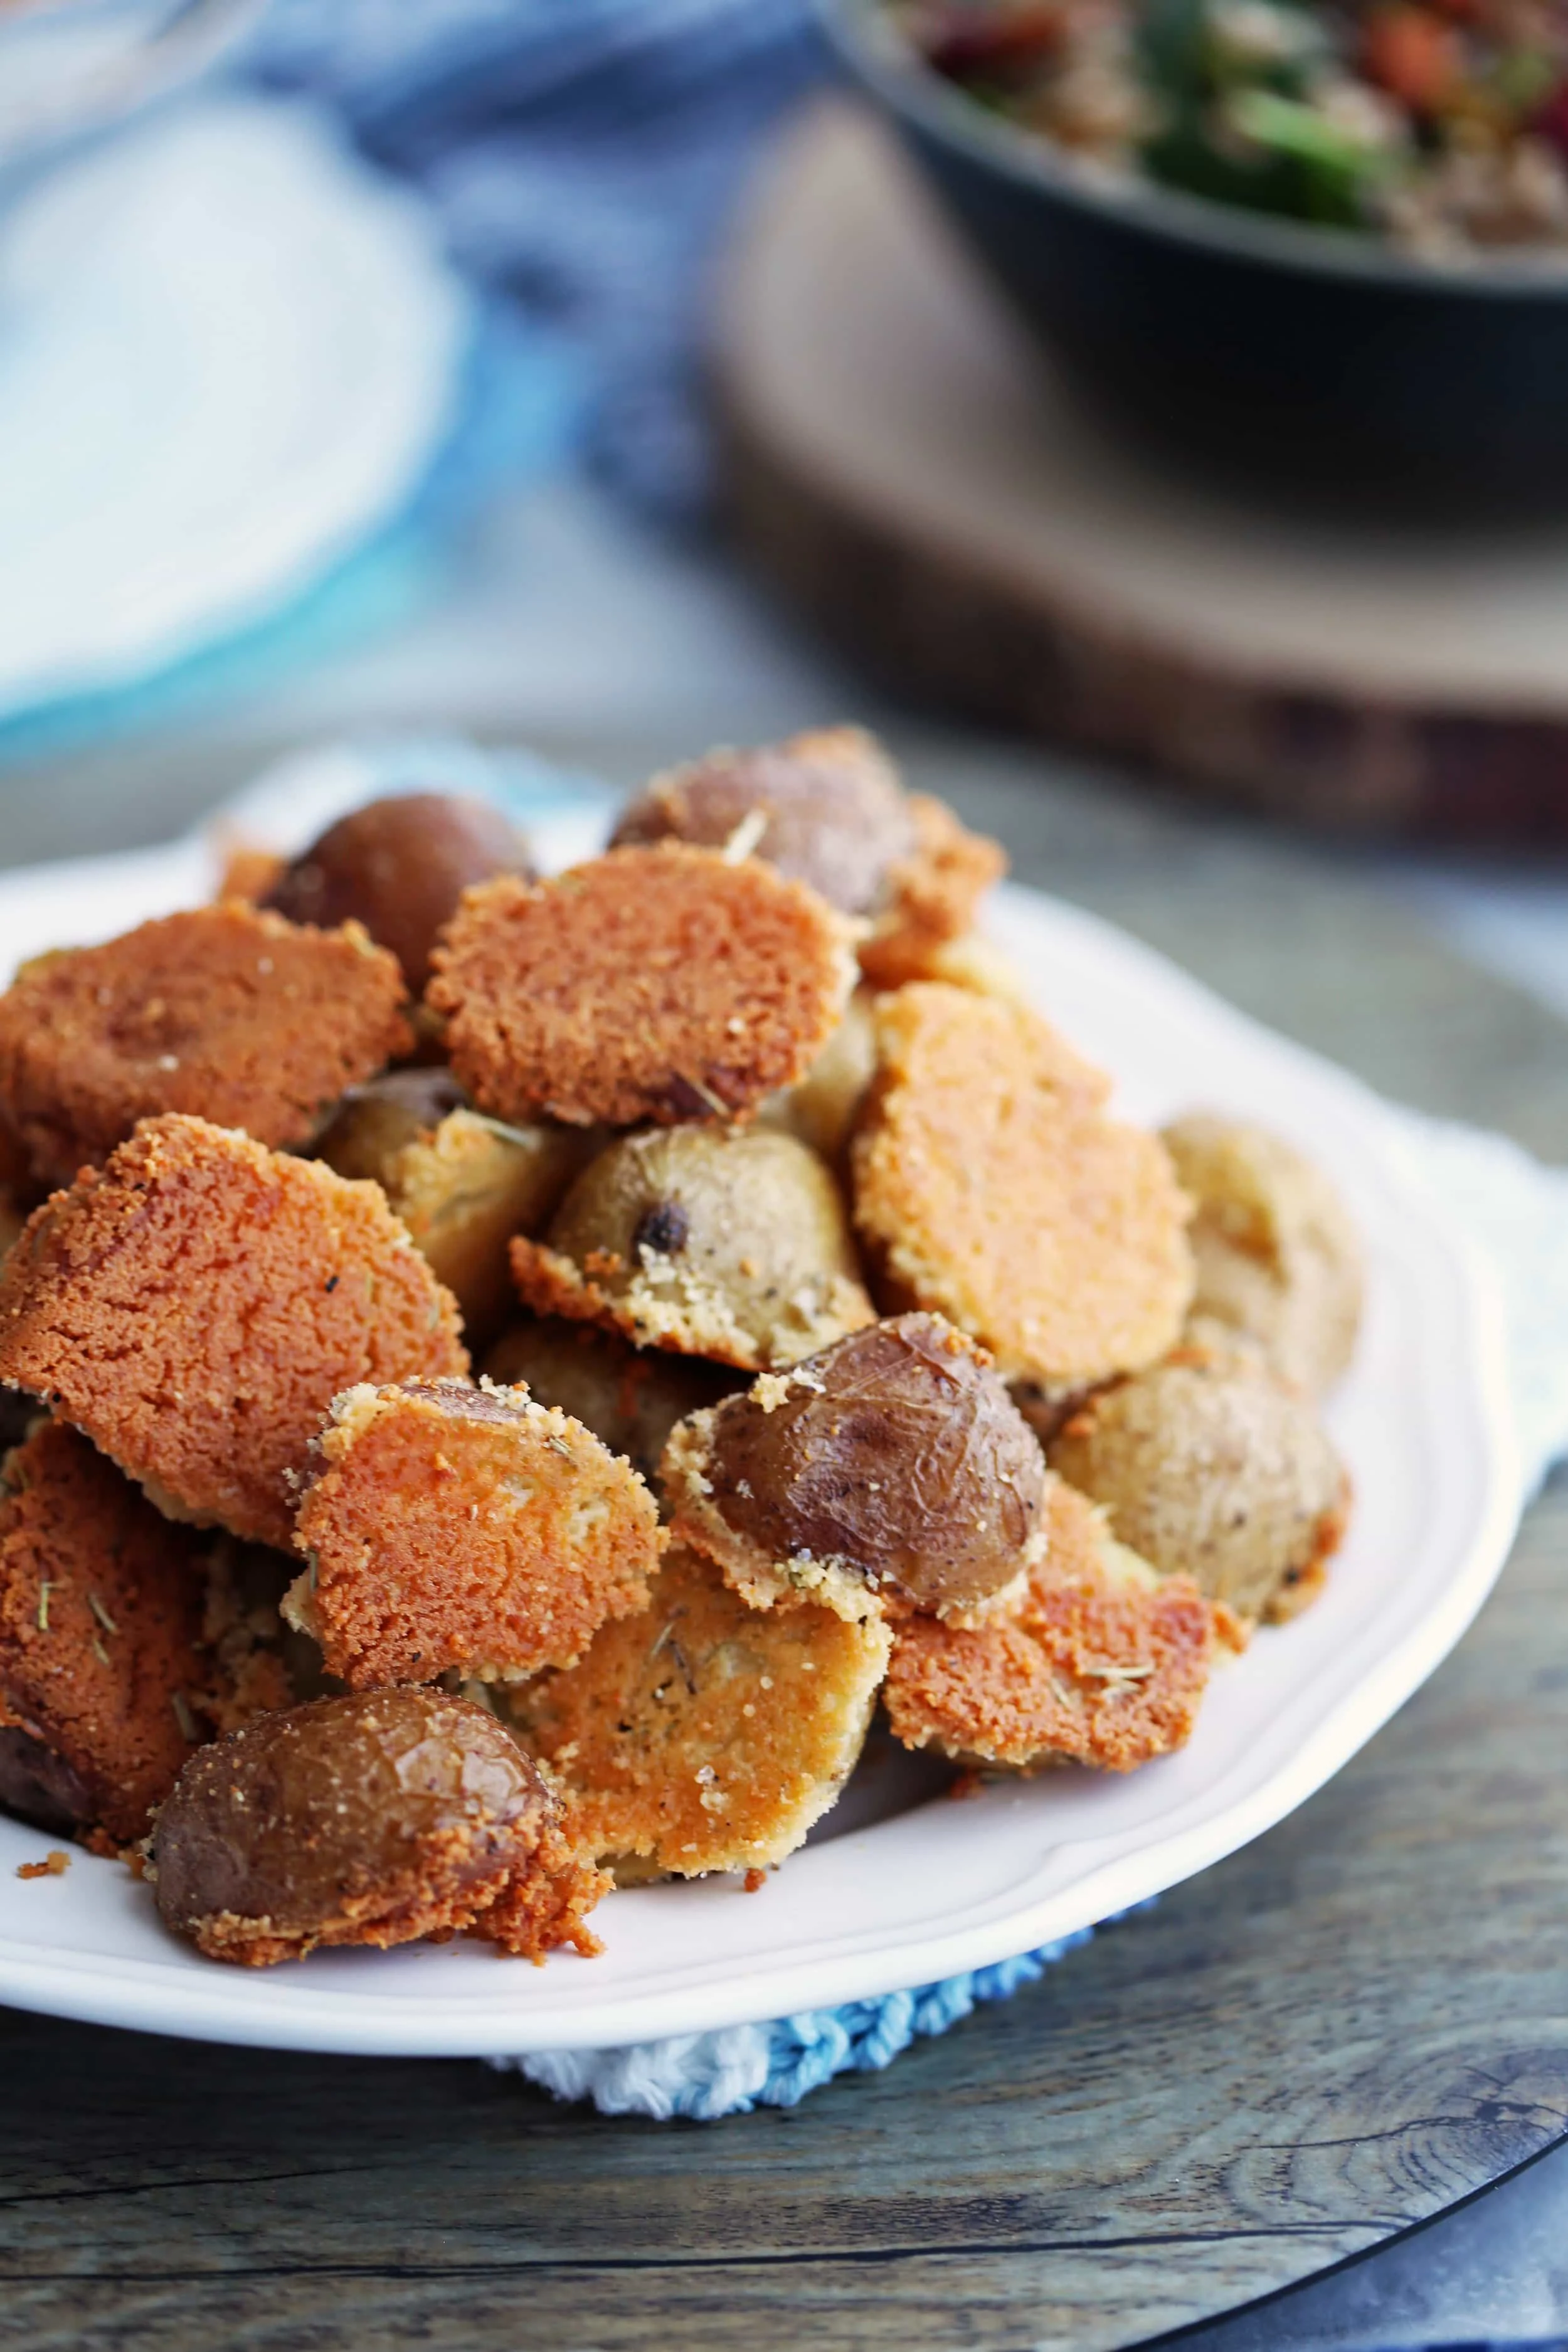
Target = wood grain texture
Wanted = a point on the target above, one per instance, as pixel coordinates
(1334, 2035)
(906, 466)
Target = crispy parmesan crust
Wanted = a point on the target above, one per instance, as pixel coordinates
(223, 1011)
(703, 1735)
(399, 1911)
(527, 1913)
(1102, 1663)
(662, 983)
(688, 1317)
(195, 1306)
(468, 1528)
(249, 871)
(1069, 1260)
(546, 1907)
(931, 895)
(100, 1619)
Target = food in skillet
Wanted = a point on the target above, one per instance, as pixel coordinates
(1440, 125)
(790, 1238)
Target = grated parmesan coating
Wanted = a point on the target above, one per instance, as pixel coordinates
(467, 1529)
(931, 895)
(994, 1189)
(195, 1306)
(101, 1660)
(662, 983)
(1100, 1663)
(704, 1735)
(222, 1011)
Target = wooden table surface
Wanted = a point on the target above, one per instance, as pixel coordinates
(1359, 2020)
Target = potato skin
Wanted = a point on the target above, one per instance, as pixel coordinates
(630, 1398)
(830, 806)
(463, 1184)
(399, 866)
(822, 1109)
(1209, 1466)
(895, 1460)
(366, 1819)
(375, 1122)
(732, 1243)
(1278, 1258)
(39, 1786)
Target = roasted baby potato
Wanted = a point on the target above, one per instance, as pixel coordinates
(399, 866)
(367, 1819)
(1210, 1466)
(1277, 1255)
(712, 1242)
(631, 1398)
(893, 1466)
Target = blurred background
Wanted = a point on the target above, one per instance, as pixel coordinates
(620, 375)
(616, 377)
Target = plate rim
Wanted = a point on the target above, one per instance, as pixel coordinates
(296, 2010)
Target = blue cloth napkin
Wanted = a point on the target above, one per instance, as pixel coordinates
(583, 156)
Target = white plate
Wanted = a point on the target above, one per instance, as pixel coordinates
(230, 356)
(1422, 1421)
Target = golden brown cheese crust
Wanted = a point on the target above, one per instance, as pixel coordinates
(248, 870)
(994, 1189)
(100, 1618)
(450, 1527)
(931, 895)
(663, 983)
(233, 1016)
(703, 1735)
(195, 1306)
(1101, 1662)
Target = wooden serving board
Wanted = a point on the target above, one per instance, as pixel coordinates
(906, 464)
